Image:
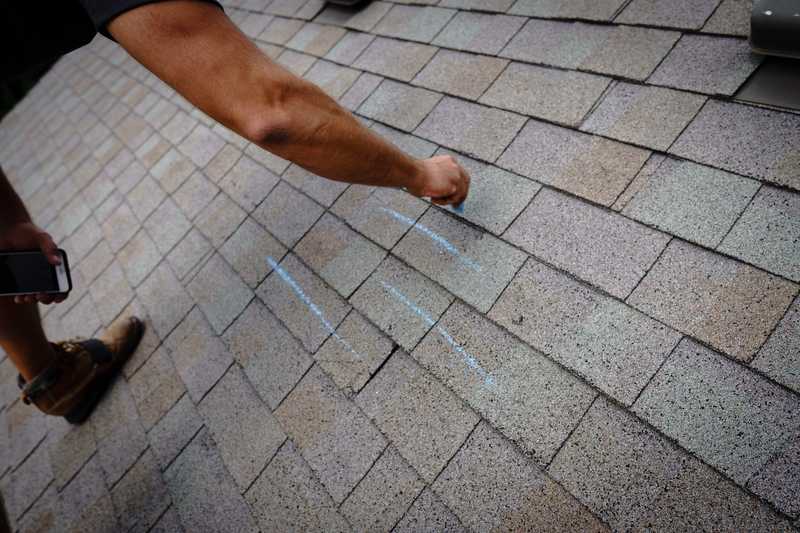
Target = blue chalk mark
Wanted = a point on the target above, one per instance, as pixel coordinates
(287, 278)
(459, 208)
(468, 359)
(435, 237)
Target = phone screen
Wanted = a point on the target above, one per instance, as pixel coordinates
(26, 272)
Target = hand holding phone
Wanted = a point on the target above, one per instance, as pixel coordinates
(31, 265)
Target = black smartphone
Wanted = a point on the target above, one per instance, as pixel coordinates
(29, 272)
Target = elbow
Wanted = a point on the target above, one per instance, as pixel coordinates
(268, 127)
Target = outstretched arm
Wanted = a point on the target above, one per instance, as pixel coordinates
(196, 49)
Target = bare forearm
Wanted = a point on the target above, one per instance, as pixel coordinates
(12, 210)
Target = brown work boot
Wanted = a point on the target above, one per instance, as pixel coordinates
(73, 385)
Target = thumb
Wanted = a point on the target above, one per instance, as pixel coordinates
(49, 248)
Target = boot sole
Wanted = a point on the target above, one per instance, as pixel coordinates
(97, 390)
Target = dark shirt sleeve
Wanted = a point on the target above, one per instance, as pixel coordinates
(102, 12)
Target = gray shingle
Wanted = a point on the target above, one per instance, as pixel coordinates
(165, 299)
(287, 214)
(155, 388)
(362, 19)
(332, 435)
(316, 39)
(648, 116)
(596, 245)
(246, 249)
(479, 33)
(480, 131)
(194, 195)
(395, 59)
(23, 486)
(294, 310)
(204, 493)
(691, 201)
(380, 500)
(201, 145)
(297, 63)
(732, 17)
(415, 23)
(730, 417)
(288, 497)
(141, 496)
(220, 292)
(744, 139)
(192, 249)
(172, 170)
(531, 400)
(713, 65)
(613, 346)
(555, 95)
(482, 5)
(323, 190)
(359, 91)
(589, 166)
(496, 197)
(429, 514)
(332, 78)
(578, 9)
(175, 429)
(767, 233)
(399, 105)
(473, 265)
(387, 310)
(779, 358)
(138, 258)
(723, 302)
(243, 427)
(779, 481)
(460, 74)
(425, 422)
(349, 47)
(167, 225)
(491, 485)
(280, 30)
(68, 446)
(248, 183)
(685, 14)
(272, 359)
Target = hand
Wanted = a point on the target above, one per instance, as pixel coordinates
(27, 236)
(443, 180)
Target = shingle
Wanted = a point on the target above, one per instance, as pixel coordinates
(174, 431)
(254, 23)
(323, 190)
(530, 399)
(713, 65)
(141, 496)
(685, 14)
(766, 235)
(172, 170)
(188, 253)
(120, 227)
(280, 30)
(199, 356)
(352, 358)
(496, 197)
(272, 359)
(315, 39)
(607, 342)
(728, 416)
(491, 485)
(779, 358)
(429, 514)
(204, 493)
(288, 497)
(222, 162)
(195, 194)
(248, 183)
(349, 47)
(332, 435)
(386, 308)
(155, 388)
(165, 299)
(480, 131)
(691, 201)
(410, 144)
(23, 486)
(246, 249)
(643, 115)
(201, 145)
(631, 52)
(395, 59)
(220, 219)
(281, 292)
(732, 17)
(297, 63)
(287, 214)
(382, 497)
(332, 78)
(588, 166)
(479, 33)
(425, 422)
(82, 319)
(747, 140)
(482, 5)
(460, 74)
(220, 293)
(599, 246)
(578, 9)
(359, 91)
(399, 105)
(414, 23)
(133, 131)
(338, 254)
(779, 481)
(69, 447)
(243, 427)
(179, 126)
(468, 262)
(145, 197)
(723, 302)
(362, 19)
(111, 292)
(555, 95)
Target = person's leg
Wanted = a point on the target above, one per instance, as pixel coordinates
(23, 339)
